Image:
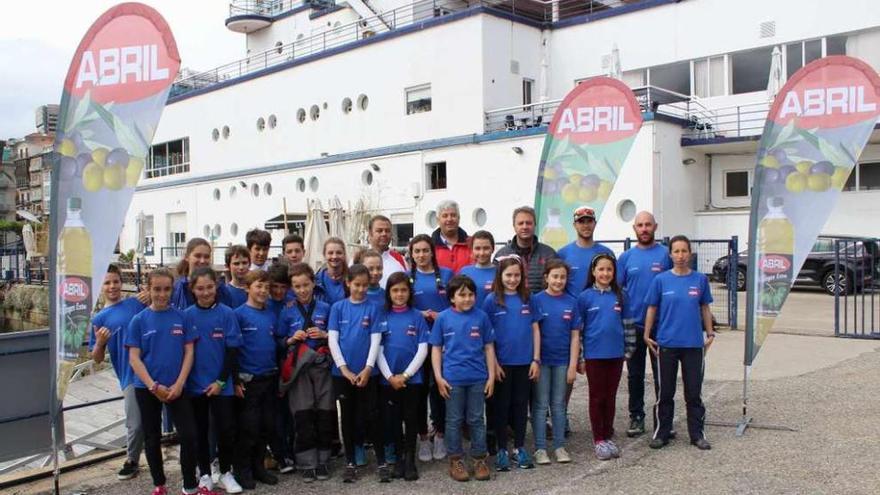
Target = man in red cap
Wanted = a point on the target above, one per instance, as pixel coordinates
(580, 253)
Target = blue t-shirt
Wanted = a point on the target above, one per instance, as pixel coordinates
(376, 295)
(426, 294)
(405, 331)
(636, 269)
(463, 337)
(215, 329)
(679, 299)
(116, 318)
(293, 320)
(482, 277)
(557, 317)
(232, 296)
(513, 329)
(181, 297)
(334, 290)
(275, 306)
(602, 315)
(578, 260)
(355, 322)
(256, 355)
(161, 337)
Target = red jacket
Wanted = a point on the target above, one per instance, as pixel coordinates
(453, 257)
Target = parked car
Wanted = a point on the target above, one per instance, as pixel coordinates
(859, 265)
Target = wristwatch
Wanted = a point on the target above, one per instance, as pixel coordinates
(537, 361)
(406, 376)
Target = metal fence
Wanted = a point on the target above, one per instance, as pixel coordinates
(856, 270)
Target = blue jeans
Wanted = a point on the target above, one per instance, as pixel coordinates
(466, 400)
(550, 393)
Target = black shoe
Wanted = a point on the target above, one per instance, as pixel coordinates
(658, 443)
(400, 465)
(491, 442)
(411, 472)
(636, 427)
(246, 481)
(286, 466)
(309, 475)
(265, 477)
(129, 470)
(384, 473)
(672, 434)
(702, 444)
(350, 474)
(322, 472)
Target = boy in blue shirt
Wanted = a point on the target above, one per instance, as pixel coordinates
(238, 262)
(580, 253)
(482, 272)
(108, 335)
(463, 355)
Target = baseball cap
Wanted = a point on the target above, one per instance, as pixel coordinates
(584, 211)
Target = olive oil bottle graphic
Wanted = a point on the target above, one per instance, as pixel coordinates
(775, 265)
(554, 233)
(74, 289)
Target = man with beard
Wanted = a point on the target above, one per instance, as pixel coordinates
(379, 237)
(580, 253)
(636, 270)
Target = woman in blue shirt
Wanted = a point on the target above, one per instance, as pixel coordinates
(678, 303)
(601, 309)
(331, 277)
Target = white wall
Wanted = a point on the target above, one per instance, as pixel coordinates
(504, 42)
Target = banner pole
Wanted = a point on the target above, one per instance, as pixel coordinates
(745, 420)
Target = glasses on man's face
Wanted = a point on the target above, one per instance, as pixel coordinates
(583, 220)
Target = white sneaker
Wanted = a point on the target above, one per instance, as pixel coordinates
(425, 453)
(439, 448)
(562, 455)
(215, 470)
(228, 483)
(206, 482)
(541, 457)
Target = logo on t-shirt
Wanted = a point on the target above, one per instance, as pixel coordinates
(217, 333)
(617, 307)
(656, 267)
(475, 332)
(566, 314)
(365, 321)
(693, 291)
(411, 330)
(525, 311)
(319, 320)
(177, 330)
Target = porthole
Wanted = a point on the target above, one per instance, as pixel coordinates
(267, 189)
(232, 192)
(431, 219)
(207, 231)
(225, 132)
(367, 177)
(233, 229)
(313, 184)
(363, 102)
(216, 231)
(261, 124)
(273, 121)
(479, 217)
(215, 134)
(301, 185)
(255, 190)
(279, 47)
(301, 115)
(626, 210)
(324, 105)
(216, 194)
(346, 105)
(314, 112)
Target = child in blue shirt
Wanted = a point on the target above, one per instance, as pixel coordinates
(678, 302)
(161, 357)
(355, 332)
(601, 308)
(482, 272)
(560, 326)
(256, 383)
(331, 278)
(197, 254)
(402, 354)
(310, 396)
(108, 336)
(238, 263)
(463, 355)
(518, 350)
(210, 383)
(373, 261)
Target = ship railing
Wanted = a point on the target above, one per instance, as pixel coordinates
(267, 8)
(737, 121)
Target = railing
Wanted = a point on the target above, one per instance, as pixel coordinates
(545, 12)
(163, 170)
(729, 122)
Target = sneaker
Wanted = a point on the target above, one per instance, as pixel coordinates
(322, 473)
(481, 469)
(561, 455)
(457, 469)
(636, 427)
(205, 491)
(390, 454)
(215, 470)
(384, 473)
(160, 490)
(129, 470)
(425, 452)
(228, 484)
(603, 452)
(701, 444)
(541, 457)
(360, 456)
(246, 481)
(615, 450)
(439, 448)
(309, 475)
(658, 443)
(502, 460)
(206, 482)
(350, 474)
(523, 461)
(286, 466)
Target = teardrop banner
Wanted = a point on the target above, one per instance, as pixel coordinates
(816, 129)
(589, 138)
(113, 96)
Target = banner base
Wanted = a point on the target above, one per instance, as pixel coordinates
(746, 422)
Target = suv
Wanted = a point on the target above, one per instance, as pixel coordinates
(859, 263)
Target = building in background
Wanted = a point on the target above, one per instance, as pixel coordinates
(46, 118)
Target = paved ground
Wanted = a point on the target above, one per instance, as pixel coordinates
(825, 388)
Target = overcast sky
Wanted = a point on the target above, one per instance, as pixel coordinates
(37, 41)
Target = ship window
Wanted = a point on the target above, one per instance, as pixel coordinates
(418, 99)
(313, 184)
(216, 194)
(363, 102)
(367, 178)
(301, 115)
(751, 70)
(436, 174)
(168, 158)
(267, 189)
(709, 76)
(869, 176)
(736, 184)
(225, 132)
(301, 185)
(431, 219)
(233, 229)
(346, 105)
(402, 233)
(215, 134)
(261, 124)
(801, 53)
(479, 217)
(255, 190)
(673, 77)
(835, 45)
(273, 121)
(314, 112)
(527, 85)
